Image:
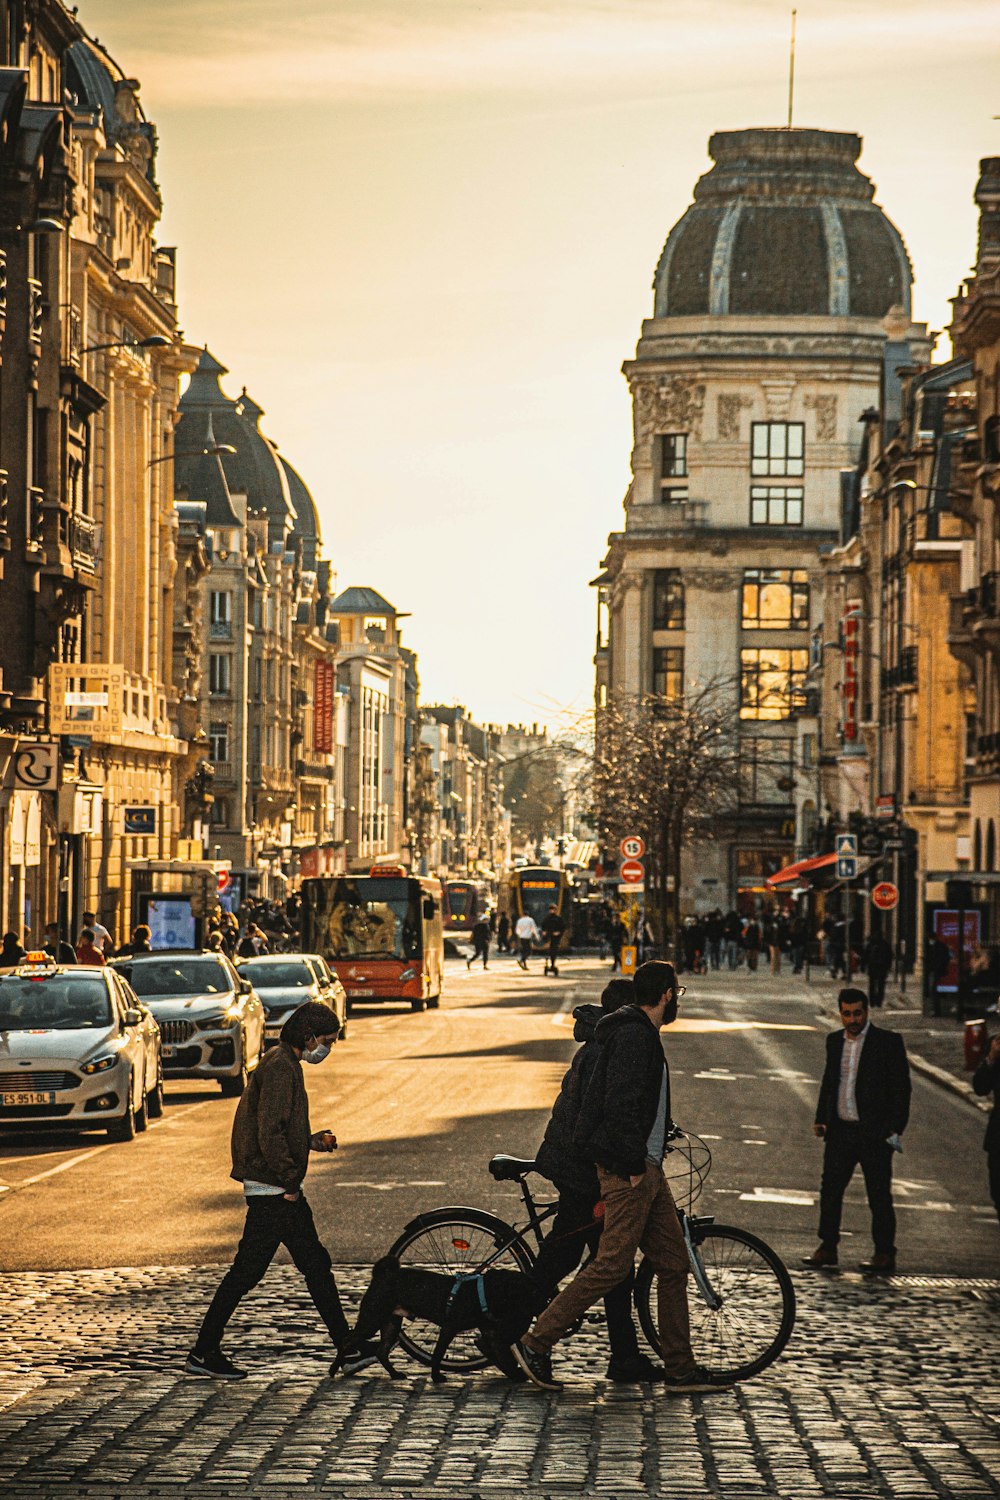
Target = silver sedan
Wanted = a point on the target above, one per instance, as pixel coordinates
(284, 981)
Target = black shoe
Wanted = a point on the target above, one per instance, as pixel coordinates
(634, 1370)
(880, 1264)
(214, 1364)
(499, 1355)
(359, 1359)
(695, 1379)
(537, 1366)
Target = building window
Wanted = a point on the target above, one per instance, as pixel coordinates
(772, 682)
(220, 607)
(673, 467)
(766, 772)
(218, 739)
(777, 449)
(220, 812)
(775, 505)
(219, 675)
(668, 672)
(668, 600)
(775, 599)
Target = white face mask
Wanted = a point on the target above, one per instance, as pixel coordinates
(316, 1054)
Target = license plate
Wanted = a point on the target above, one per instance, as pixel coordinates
(272, 1033)
(15, 1100)
(361, 992)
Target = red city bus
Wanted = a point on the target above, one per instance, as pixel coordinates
(381, 932)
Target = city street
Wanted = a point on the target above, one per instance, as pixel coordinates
(886, 1388)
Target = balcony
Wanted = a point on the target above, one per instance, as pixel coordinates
(224, 770)
(220, 630)
(988, 754)
(673, 515)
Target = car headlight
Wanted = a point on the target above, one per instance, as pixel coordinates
(408, 974)
(226, 1022)
(101, 1064)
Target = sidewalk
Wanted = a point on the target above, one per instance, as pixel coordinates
(934, 1044)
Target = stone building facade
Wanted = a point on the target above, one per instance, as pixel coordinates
(764, 349)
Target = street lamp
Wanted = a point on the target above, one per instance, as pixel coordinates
(216, 448)
(155, 341)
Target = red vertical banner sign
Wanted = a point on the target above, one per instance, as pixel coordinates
(323, 708)
(849, 687)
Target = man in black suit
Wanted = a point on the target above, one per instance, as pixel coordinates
(987, 1081)
(863, 1108)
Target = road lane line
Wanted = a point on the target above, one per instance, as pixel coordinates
(65, 1165)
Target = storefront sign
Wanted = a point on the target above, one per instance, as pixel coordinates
(323, 691)
(84, 695)
(946, 928)
(849, 689)
(140, 821)
(36, 767)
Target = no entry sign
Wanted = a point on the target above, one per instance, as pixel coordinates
(632, 872)
(885, 896)
(633, 847)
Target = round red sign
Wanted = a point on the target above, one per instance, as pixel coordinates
(633, 847)
(885, 896)
(222, 880)
(632, 872)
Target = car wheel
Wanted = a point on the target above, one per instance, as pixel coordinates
(434, 1001)
(232, 1088)
(154, 1100)
(142, 1113)
(124, 1129)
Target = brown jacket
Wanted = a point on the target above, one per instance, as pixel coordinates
(271, 1129)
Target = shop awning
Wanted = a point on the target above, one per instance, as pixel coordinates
(803, 867)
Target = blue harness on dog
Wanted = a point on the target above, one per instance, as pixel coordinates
(461, 1277)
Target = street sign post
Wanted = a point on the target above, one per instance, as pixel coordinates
(632, 872)
(847, 856)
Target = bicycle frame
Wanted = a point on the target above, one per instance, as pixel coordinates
(710, 1296)
(534, 1225)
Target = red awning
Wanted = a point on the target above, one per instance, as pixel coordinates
(803, 867)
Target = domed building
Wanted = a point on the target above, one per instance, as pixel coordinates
(779, 296)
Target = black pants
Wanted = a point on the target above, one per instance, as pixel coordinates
(550, 962)
(525, 953)
(847, 1147)
(574, 1231)
(273, 1221)
(876, 987)
(993, 1166)
(481, 951)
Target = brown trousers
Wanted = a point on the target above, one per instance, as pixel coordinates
(643, 1218)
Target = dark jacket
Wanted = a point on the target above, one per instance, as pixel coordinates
(986, 1080)
(882, 1089)
(271, 1129)
(618, 1109)
(559, 1158)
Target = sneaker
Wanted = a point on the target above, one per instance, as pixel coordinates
(537, 1366)
(359, 1359)
(214, 1364)
(634, 1370)
(695, 1379)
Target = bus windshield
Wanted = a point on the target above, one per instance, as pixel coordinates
(538, 894)
(371, 918)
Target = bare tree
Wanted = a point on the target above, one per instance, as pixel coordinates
(668, 770)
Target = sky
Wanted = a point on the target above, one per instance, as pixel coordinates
(423, 233)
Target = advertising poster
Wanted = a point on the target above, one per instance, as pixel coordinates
(946, 928)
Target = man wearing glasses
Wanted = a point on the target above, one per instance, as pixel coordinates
(622, 1127)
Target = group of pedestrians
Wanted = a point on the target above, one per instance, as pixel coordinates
(527, 936)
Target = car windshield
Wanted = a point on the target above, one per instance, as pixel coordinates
(178, 978)
(288, 976)
(57, 1002)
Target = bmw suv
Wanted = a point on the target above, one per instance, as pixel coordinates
(211, 1020)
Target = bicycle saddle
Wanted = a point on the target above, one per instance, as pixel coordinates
(510, 1168)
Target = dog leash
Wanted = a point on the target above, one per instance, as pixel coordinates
(461, 1277)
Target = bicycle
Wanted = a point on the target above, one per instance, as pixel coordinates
(742, 1302)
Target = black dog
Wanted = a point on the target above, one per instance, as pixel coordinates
(398, 1292)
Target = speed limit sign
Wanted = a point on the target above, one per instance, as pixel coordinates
(633, 847)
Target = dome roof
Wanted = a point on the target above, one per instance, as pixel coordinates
(254, 469)
(782, 225)
(306, 515)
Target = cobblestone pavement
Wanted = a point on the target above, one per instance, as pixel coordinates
(887, 1389)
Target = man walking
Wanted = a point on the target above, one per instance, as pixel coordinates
(553, 928)
(270, 1144)
(480, 942)
(879, 958)
(575, 1227)
(622, 1127)
(863, 1109)
(986, 1080)
(527, 934)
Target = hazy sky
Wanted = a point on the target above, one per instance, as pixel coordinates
(423, 232)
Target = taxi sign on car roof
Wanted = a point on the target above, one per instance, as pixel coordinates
(35, 960)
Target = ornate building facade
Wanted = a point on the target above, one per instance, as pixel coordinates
(764, 349)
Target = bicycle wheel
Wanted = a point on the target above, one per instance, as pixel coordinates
(756, 1313)
(449, 1240)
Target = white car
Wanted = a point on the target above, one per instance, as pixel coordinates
(210, 1018)
(77, 1050)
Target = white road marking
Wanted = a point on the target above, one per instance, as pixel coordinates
(777, 1195)
(82, 1156)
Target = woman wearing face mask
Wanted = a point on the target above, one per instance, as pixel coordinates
(270, 1145)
